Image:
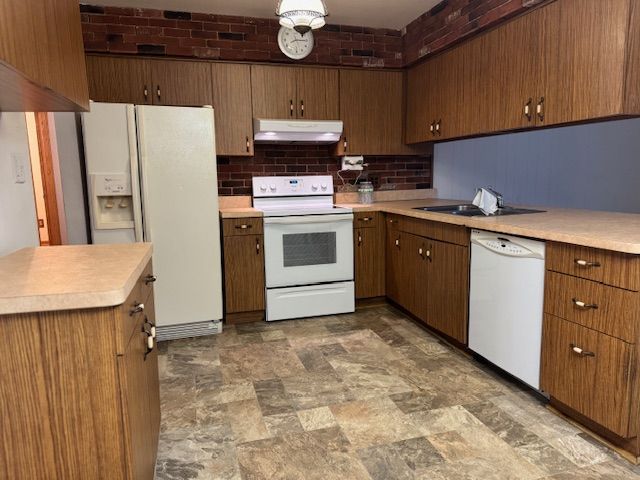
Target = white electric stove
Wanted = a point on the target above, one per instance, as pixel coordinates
(308, 244)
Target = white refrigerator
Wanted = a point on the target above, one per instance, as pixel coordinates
(151, 174)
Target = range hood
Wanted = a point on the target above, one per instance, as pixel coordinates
(296, 131)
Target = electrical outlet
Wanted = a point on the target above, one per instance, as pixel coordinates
(19, 168)
(352, 162)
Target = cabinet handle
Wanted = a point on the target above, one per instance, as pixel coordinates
(291, 108)
(257, 246)
(359, 240)
(150, 279)
(432, 128)
(420, 253)
(585, 263)
(583, 305)
(248, 144)
(527, 109)
(302, 108)
(152, 328)
(244, 226)
(397, 242)
(158, 92)
(438, 131)
(137, 308)
(146, 93)
(540, 109)
(579, 351)
(368, 219)
(345, 144)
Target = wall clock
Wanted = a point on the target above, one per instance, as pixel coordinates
(293, 44)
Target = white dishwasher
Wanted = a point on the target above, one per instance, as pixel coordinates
(505, 302)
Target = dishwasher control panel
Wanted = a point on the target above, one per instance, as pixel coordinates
(505, 245)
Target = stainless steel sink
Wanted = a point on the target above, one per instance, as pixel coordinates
(470, 210)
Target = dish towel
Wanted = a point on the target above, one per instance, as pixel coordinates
(486, 201)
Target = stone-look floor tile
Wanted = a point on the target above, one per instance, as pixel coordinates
(384, 462)
(501, 424)
(281, 358)
(452, 446)
(602, 471)
(244, 362)
(332, 349)
(418, 453)
(317, 455)
(227, 393)
(271, 335)
(314, 361)
(373, 422)
(410, 402)
(443, 420)
(247, 421)
(283, 423)
(316, 389)
(317, 418)
(545, 457)
(580, 451)
(272, 397)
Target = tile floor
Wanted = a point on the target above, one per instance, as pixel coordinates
(368, 395)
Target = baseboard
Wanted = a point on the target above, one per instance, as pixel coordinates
(244, 317)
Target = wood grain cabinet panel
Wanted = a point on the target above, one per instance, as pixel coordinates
(42, 65)
(367, 220)
(242, 226)
(594, 380)
(120, 80)
(74, 407)
(244, 273)
(371, 107)
(232, 108)
(273, 91)
(181, 83)
(317, 94)
(369, 262)
(393, 264)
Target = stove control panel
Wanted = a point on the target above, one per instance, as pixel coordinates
(264, 187)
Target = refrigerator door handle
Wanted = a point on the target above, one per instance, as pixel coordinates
(135, 173)
(144, 189)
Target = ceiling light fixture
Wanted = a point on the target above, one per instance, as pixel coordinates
(302, 15)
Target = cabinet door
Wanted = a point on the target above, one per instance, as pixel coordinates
(273, 91)
(369, 262)
(181, 83)
(510, 73)
(371, 107)
(317, 94)
(585, 49)
(414, 273)
(393, 259)
(119, 80)
(134, 371)
(244, 273)
(448, 293)
(422, 101)
(232, 108)
(598, 384)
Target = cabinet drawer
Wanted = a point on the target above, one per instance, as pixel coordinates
(394, 222)
(445, 232)
(241, 226)
(609, 310)
(612, 268)
(129, 318)
(589, 372)
(366, 219)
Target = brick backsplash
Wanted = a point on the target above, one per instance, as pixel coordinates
(403, 172)
(201, 35)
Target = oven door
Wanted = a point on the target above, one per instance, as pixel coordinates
(308, 249)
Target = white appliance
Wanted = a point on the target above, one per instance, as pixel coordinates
(296, 131)
(308, 246)
(506, 301)
(152, 177)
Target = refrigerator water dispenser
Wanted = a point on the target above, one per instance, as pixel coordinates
(112, 201)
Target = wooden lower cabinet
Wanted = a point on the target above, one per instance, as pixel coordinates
(393, 261)
(244, 282)
(72, 404)
(368, 248)
(595, 380)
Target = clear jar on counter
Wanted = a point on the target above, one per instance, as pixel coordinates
(365, 192)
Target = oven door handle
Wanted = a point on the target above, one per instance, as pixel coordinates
(297, 220)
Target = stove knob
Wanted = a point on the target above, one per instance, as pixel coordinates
(314, 187)
(324, 186)
(272, 187)
(263, 188)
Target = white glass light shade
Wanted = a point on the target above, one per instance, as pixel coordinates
(302, 15)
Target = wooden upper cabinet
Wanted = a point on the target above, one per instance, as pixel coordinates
(585, 49)
(119, 80)
(317, 94)
(232, 107)
(289, 92)
(181, 83)
(273, 91)
(371, 107)
(42, 66)
(421, 104)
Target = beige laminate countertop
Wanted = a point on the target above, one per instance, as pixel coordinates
(70, 277)
(607, 230)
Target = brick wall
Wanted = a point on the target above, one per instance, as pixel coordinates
(200, 35)
(453, 20)
(235, 173)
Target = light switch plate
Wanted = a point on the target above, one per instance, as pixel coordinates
(19, 168)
